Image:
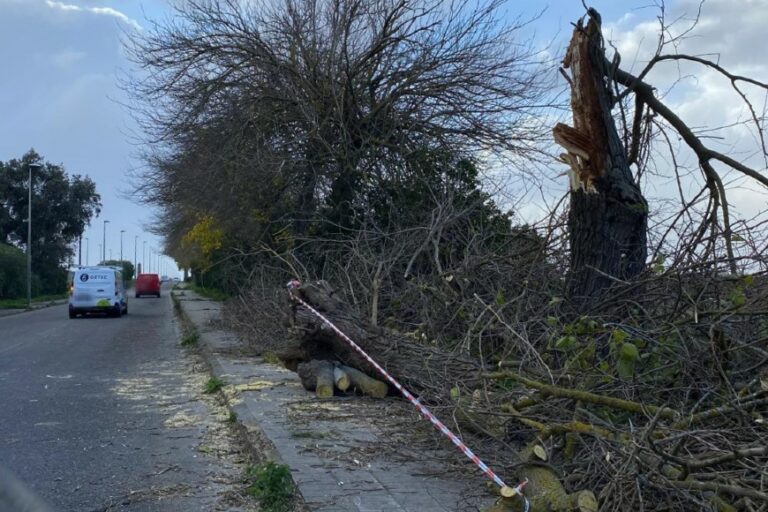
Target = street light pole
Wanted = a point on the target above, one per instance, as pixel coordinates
(144, 256)
(121, 246)
(87, 249)
(104, 243)
(29, 237)
(135, 261)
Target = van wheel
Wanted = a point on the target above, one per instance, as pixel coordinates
(72, 314)
(158, 295)
(117, 311)
(138, 295)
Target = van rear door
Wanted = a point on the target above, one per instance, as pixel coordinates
(94, 288)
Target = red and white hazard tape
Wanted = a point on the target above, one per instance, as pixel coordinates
(517, 490)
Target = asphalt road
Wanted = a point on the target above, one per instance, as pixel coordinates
(107, 414)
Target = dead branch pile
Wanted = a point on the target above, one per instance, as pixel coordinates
(583, 426)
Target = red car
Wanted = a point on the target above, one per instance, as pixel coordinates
(147, 284)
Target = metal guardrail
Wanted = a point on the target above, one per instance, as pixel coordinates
(16, 497)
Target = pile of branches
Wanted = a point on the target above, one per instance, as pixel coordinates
(636, 417)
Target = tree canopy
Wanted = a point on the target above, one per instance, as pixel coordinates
(62, 206)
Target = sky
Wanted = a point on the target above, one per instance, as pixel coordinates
(61, 61)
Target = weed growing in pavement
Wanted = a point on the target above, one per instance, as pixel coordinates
(270, 357)
(272, 485)
(190, 339)
(213, 385)
(232, 417)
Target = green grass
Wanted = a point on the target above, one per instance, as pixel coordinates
(210, 293)
(232, 417)
(22, 303)
(213, 385)
(190, 339)
(270, 357)
(272, 485)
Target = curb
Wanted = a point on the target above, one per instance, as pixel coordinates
(265, 450)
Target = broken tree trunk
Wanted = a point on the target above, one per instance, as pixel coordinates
(608, 214)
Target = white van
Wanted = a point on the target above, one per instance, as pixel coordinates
(97, 290)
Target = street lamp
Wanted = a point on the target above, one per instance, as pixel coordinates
(135, 261)
(121, 246)
(104, 243)
(144, 256)
(87, 249)
(29, 236)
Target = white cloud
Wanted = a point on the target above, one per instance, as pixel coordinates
(63, 6)
(107, 11)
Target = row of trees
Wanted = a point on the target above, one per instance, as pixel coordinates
(276, 124)
(62, 206)
(281, 123)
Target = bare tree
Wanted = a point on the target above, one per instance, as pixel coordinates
(332, 96)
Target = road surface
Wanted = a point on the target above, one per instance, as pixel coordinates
(104, 414)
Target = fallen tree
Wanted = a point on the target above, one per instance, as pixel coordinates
(478, 398)
(426, 371)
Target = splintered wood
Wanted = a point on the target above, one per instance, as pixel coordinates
(585, 141)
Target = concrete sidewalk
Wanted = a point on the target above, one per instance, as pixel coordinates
(346, 453)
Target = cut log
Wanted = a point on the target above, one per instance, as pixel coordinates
(365, 384)
(317, 376)
(340, 378)
(543, 490)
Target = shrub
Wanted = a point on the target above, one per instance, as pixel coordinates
(13, 270)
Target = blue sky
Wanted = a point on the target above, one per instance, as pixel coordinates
(61, 61)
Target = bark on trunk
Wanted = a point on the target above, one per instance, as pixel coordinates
(608, 213)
